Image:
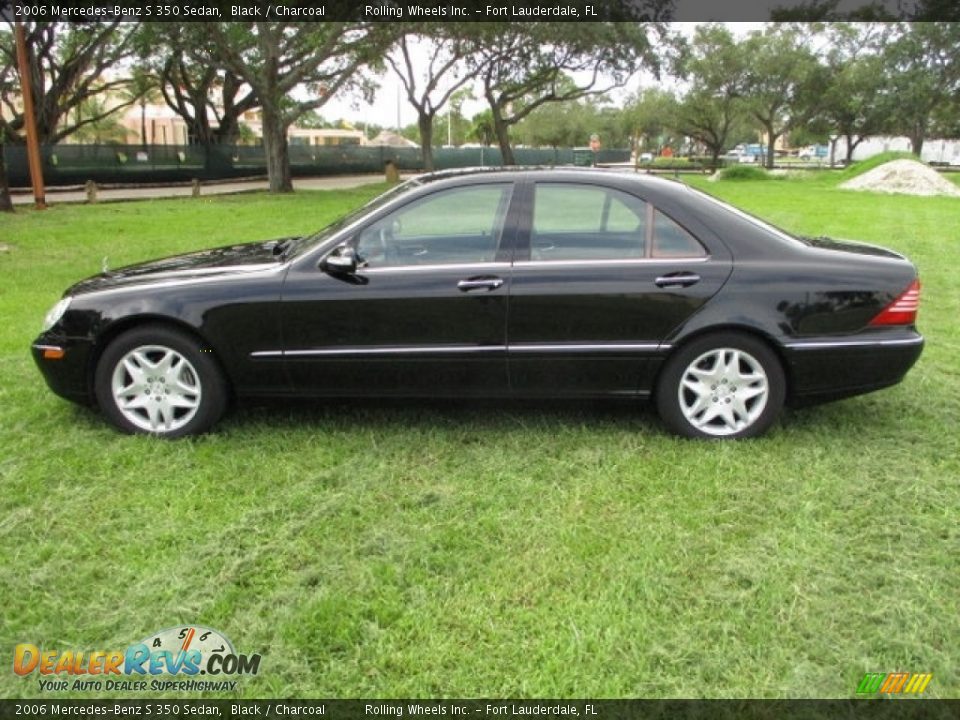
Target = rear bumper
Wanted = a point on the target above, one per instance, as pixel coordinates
(822, 369)
(64, 365)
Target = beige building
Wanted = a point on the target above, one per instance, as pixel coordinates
(163, 126)
(308, 136)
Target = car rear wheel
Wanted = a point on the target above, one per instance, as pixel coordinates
(158, 381)
(725, 385)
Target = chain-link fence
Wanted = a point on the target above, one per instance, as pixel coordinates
(75, 164)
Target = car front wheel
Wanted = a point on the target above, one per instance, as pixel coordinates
(158, 381)
(726, 385)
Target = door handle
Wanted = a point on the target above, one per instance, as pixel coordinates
(678, 279)
(479, 283)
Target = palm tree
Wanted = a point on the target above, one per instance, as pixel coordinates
(143, 88)
(106, 128)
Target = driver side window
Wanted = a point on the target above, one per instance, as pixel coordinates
(456, 226)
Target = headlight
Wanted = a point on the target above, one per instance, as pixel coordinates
(56, 312)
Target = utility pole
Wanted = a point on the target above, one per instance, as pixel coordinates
(30, 120)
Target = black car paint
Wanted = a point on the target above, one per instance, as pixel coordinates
(561, 329)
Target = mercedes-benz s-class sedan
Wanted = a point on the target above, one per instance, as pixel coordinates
(523, 283)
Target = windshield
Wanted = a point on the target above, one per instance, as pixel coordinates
(333, 228)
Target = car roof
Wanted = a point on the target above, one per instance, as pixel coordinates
(613, 177)
(561, 171)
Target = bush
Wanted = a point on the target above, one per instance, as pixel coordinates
(743, 172)
(670, 162)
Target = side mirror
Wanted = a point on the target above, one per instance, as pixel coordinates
(342, 261)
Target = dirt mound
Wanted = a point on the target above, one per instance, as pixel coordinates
(907, 177)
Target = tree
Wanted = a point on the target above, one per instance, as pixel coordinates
(143, 88)
(429, 88)
(522, 66)
(210, 98)
(451, 126)
(276, 59)
(105, 130)
(781, 82)
(570, 124)
(6, 203)
(924, 76)
(370, 130)
(651, 117)
(481, 128)
(716, 66)
(855, 101)
(68, 65)
(564, 124)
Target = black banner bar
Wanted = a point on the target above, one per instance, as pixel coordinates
(475, 10)
(489, 709)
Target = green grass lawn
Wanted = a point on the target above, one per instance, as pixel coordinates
(485, 550)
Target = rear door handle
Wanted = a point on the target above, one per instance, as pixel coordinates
(677, 279)
(479, 283)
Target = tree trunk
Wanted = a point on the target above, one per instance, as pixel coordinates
(503, 136)
(916, 142)
(425, 123)
(143, 125)
(771, 144)
(6, 204)
(228, 131)
(275, 148)
(851, 146)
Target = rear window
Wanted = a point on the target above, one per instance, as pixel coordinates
(772, 230)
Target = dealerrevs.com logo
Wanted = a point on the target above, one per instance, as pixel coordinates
(172, 659)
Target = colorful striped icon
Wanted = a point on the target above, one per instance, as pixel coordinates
(895, 682)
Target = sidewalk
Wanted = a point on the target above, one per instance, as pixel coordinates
(23, 196)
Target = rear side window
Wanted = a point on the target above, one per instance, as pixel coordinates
(586, 222)
(672, 241)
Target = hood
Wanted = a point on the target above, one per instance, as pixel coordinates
(851, 246)
(229, 259)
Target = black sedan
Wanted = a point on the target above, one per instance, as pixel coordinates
(514, 283)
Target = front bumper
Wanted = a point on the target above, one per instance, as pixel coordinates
(65, 365)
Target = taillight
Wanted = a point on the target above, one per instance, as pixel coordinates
(903, 309)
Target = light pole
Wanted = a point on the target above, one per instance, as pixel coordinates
(29, 119)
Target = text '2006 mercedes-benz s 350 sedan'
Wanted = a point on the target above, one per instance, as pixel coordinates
(513, 283)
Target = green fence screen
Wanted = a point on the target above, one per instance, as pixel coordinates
(75, 164)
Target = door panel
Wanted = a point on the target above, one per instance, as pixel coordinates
(424, 314)
(396, 332)
(592, 321)
(615, 313)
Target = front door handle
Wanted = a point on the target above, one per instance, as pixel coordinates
(479, 283)
(677, 279)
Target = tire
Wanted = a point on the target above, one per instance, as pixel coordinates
(155, 380)
(722, 386)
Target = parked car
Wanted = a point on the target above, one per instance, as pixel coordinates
(814, 152)
(751, 153)
(525, 283)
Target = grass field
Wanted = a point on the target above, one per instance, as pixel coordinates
(480, 550)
